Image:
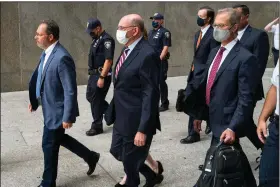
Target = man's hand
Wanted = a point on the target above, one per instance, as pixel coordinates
(197, 125)
(100, 83)
(67, 125)
(262, 131)
(192, 67)
(228, 136)
(140, 139)
(30, 108)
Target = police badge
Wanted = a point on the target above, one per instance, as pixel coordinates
(107, 44)
(167, 34)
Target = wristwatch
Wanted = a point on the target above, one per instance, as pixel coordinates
(101, 77)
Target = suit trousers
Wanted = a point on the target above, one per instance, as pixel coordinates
(250, 180)
(163, 84)
(52, 139)
(132, 157)
(269, 167)
(96, 97)
(191, 130)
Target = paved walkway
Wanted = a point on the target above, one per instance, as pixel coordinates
(22, 158)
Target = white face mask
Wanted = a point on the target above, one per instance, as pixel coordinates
(121, 37)
(220, 35)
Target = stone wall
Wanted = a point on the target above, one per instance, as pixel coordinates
(19, 21)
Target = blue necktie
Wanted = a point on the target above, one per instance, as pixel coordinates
(39, 77)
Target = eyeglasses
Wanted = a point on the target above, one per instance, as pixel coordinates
(220, 25)
(122, 28)
(37, 34)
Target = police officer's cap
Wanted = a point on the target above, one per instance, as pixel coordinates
(157, 16)
(92, 24)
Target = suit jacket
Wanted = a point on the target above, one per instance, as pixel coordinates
(136, 93)
(201, 54)
(231, 97)
(257, 42)
(58, 89)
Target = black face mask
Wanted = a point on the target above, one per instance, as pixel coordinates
(200, 22)
(93, 35)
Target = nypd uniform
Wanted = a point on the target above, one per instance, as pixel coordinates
(101, 49)
(159, 38)
(269, 167)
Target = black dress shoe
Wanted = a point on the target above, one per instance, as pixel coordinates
(93, 132)
(54, 185)
(190, 139)
(120, 185)
(157, 180)
(92, 164)
(200, 167)
(160, 168)
(207, 130)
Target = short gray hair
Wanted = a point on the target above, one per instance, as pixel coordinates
(234, 18)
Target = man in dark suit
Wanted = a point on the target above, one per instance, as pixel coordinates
(257, 42)
(135, 101)
(226, 91)
(53, 85)
(203, 44)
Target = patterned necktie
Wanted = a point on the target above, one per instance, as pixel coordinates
(213, 73)
(121, 61)
(39, 77)
(199, 39)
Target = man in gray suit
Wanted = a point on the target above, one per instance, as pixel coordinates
(53, 85)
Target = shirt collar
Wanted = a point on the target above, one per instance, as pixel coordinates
(230, 45)
(204, 30)
(243, 30)
(50, 48)
(131, 46)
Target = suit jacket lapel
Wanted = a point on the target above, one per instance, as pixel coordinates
(114, 70)
(48, 62)
(232, 54)
(246, 34)
(206, 35)
(209, 62)
(130, 58)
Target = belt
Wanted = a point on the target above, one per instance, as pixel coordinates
(276, 118)
(274, 49)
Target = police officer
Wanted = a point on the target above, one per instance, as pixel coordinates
(160, 38)
(269, 135)
(100, 66)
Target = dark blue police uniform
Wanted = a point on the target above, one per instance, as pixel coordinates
(101, 49)
(159, 38)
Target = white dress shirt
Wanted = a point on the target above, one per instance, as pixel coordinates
(275, 82)
(48, 52)
(204, 30)
(228, 48)
(275, 30)
(240, 33)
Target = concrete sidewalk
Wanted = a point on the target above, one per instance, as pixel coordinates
(22, 158)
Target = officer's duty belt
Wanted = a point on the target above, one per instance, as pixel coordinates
(95, 71)
(276, 120)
